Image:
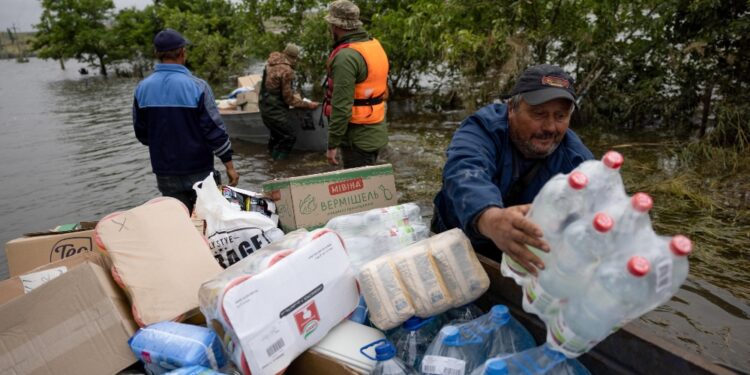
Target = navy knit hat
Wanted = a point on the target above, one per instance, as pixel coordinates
(542, 83)
(168, 39)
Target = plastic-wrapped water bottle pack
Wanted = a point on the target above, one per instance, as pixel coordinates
(470, 348)
(606, 265)
(376, 232)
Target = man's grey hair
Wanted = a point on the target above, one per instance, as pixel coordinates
(515, 102)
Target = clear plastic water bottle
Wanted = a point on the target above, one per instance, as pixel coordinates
(397, 237)
(631, 216)
(387, 362)
(453, 351)
(605, 182)
(413, 338)
(535, 361)
(359, 314)
(560, 202)
(570, 266)
(617, 288)
(348, 224)
(681, 247)
(462, 314)
(403, 214)
(668, 256)
(494, 366)
(504, 334)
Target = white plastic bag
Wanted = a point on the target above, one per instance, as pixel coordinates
(232, 235)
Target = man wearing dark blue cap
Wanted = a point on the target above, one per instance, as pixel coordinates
(499, 159)
(175, 115)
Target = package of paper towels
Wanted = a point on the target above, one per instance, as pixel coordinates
(424, 279)
(277, 314)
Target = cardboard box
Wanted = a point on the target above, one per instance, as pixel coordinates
(23, 284)
(311, 363)
(246, 97)
(78, 323)
(310, 201)
(37, 249)
(249, 80)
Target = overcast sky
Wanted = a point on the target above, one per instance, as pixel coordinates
(25, 13)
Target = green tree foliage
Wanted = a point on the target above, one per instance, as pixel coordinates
(216, 41)
(636, 62)
(134, 31)
(76, 28)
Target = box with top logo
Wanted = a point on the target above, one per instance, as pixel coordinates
(37, 249)
(310, 201)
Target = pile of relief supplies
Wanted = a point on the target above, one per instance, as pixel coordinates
(244, 98)
(372, 291)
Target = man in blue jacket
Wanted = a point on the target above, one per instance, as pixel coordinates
(174, 114)
(499, 159)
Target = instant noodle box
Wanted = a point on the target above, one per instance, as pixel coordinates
(310, 201)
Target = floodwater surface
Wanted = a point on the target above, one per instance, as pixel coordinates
(69, 154)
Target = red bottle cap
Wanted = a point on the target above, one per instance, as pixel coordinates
(642, 202)
(603, 222)
(638, 266)
(578, 180)
(681, 245)
(613, 159)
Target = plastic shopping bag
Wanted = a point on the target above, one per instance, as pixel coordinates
(232, 235)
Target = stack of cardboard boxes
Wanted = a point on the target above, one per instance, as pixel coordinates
(61, 311)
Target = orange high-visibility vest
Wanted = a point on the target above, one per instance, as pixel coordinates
(369, 95)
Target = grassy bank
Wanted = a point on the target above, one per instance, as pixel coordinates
(22, 46)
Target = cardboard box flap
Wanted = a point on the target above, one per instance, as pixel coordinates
(67, 228)
(71, 325)
(14, 286)
(321, 178)
(249, 80)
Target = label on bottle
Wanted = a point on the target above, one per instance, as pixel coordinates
(663, 275)
(567, 340)
(538, 299)
(437, 365)
(506, 271)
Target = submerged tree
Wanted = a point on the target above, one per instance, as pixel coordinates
(76, 28)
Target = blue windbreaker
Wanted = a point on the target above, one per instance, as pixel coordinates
(174, 114)
(479, 172)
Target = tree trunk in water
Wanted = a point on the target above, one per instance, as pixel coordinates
(62, 63)
(102, 67)
(706, 108)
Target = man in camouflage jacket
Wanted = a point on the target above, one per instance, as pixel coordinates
(276, 96)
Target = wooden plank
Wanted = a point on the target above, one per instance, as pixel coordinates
(631, 350)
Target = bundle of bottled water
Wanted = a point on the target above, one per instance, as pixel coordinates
(372, 233)
(606, 265)
(467, 347)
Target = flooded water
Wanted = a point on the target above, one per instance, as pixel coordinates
(69, 154)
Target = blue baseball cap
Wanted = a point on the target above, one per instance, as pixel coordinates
(541, 83)
(168, 39)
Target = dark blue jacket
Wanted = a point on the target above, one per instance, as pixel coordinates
(479, 172)
(174, 114)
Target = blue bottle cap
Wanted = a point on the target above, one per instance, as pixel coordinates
(500, 314)
(496, 367)
(413, 323)
(451, 336)
(385, 351)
